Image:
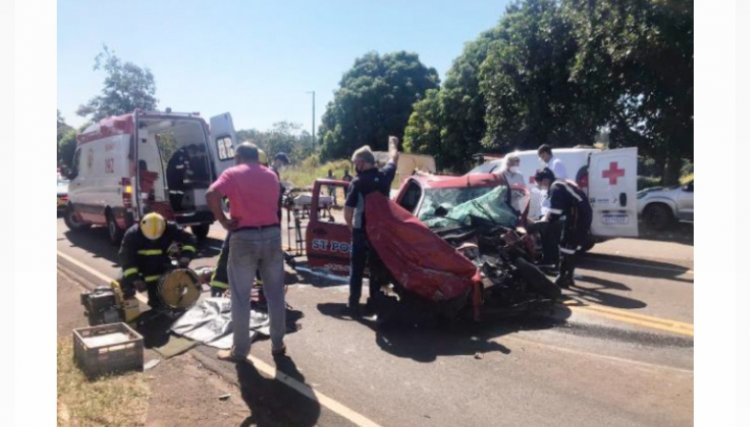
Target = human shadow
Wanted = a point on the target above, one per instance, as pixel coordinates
(618, 264)
(594, 290)
(285, 400)
(423, 337)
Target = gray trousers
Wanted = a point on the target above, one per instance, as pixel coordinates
(249, 251)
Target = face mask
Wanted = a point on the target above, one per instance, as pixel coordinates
(513, 169)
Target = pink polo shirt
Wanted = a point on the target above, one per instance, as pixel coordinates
(253, 192)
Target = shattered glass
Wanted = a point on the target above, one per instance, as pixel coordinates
(488, 207)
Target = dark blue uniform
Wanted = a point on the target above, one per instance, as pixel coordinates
(570, 204)
(365, 183)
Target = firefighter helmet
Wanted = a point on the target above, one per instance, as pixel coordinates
(262, 157)
(153, 225)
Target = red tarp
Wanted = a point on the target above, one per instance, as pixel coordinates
(418, 259)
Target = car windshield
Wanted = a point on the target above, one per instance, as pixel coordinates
(447, 198)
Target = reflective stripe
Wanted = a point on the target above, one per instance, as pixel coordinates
(152, 278)
(188, 248)
(567, 251)
(150, 252)
(130, 271)
(555, 211)
(570, 190)
(218, 284)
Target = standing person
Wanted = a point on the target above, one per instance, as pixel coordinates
(570, 206)
(347, 177)
(368, 179)
(512, 177)
(255, 242)
(550, 161)
(331, 188)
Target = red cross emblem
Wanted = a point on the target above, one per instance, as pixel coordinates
(613, 173)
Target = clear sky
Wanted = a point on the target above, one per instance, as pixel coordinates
(255, 59)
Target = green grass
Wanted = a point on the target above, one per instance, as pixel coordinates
(305, 173)
(110, 400)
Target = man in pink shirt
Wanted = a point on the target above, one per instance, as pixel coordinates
(254, 244)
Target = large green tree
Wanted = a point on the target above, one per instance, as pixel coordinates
(374, 100)
(126, 87)
(636, 56)
(525, 79)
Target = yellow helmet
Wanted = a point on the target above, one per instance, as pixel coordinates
(153, 225)
(262, 157)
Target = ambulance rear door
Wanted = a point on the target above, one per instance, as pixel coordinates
(612, 192)
(222, 143)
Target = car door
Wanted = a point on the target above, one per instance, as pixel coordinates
(612, 192)
(327, 238)
(223, 141)
(685, 202)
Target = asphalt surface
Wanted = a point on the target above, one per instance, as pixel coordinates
(610, 361)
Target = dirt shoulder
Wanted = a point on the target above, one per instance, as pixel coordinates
(178, 391)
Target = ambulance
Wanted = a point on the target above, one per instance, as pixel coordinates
(125, 166)
(609, 177)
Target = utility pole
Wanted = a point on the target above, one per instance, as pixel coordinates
(313, 118)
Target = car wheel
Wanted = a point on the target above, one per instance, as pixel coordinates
(113, 230)
(72, 221)
(200, 231)
(658, 216)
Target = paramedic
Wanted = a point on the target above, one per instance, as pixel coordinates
(570, 206)
(368, 179)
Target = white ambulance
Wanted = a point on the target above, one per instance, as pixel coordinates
(143, 161)
(609, 177)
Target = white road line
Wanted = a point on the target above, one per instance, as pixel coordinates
(305, 390)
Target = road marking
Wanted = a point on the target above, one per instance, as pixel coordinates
(667, 325)
(601, 356)
(305, 390)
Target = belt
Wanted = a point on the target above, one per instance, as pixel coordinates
(257, 228)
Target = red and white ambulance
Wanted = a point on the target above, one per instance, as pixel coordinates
(126, 165)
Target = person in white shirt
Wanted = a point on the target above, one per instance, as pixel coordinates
(550, 161)
(513, 177)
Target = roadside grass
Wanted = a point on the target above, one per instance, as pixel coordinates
(305, 173)
(110, 400)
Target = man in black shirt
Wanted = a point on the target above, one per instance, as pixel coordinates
(568, 204)
(369, 178)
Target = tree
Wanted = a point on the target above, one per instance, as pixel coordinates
(637, 56)
(286, 137)
(422, 133)
(374, 100)
(525, 79)
(66, 148)
(62, 127)
(126, 87)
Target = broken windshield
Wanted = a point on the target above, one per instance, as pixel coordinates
(447, 198)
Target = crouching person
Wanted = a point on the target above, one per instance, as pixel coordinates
(144, 255)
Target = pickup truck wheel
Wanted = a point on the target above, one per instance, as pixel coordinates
(113, 230)
(658, 216)
(200, 231)
(72, 221)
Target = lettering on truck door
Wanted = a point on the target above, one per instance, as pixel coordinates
(612, 186)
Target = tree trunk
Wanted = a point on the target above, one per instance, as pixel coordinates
(672, 171)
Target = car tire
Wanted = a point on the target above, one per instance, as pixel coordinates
(114, 232)
(200, 231)
(72, 221)
(658, 216)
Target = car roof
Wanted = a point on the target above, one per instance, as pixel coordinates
(463, 181)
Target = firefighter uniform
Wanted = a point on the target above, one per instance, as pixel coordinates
(146, 259)
(569, 204)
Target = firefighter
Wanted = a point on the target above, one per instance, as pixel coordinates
(570, 205)
(145, 255)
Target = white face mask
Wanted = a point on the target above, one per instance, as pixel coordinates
(513, 169)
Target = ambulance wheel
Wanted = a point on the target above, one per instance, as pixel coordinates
(113, 230)
(658, 216)
(72, 221)
(200, 231)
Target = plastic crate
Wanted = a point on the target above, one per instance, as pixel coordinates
(109, 348)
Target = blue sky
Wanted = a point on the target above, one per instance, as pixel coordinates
(255, 59)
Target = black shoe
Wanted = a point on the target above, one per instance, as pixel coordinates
(564, 281)
(353, 311)
(370, 307)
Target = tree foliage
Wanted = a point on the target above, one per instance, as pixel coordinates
(286, 137)
(126, 87)
(374, 100)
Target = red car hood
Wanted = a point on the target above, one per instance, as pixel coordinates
(417, 258)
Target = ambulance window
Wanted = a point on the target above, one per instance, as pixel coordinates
(76, 161)
(224, 148)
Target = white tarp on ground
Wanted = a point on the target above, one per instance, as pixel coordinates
(210, 322)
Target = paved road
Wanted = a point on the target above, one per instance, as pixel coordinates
(623, 358)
